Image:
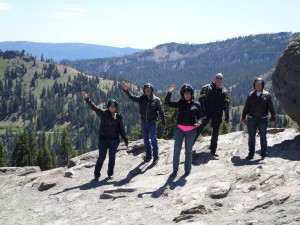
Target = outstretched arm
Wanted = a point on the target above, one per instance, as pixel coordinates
(96, 109)
(168, 101)
(130, 96)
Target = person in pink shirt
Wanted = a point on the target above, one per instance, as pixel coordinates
(189, 117)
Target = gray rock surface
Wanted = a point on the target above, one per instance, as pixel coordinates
(224, 190)
(286, 80)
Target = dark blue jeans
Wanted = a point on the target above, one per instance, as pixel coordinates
(216, 120)
(103, 145)
(189, 137)
(252, 124)
(149, 133)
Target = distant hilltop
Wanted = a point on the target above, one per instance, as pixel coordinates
(71, 51)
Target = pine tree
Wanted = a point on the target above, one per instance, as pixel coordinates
(20, 150)
(44, 160)
(3, 160)
(66, 150)
(32, 146)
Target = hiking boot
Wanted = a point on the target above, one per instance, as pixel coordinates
(147, 159)
(249, 157)
(96, 179)
(155, 161)
(174, 174)
(214, 154)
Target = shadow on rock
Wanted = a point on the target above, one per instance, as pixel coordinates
(139, 169)
(201, 158)
(86, 186)
(168, 184)
(288, 149)
(237, 161)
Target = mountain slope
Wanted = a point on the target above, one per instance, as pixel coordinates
(71, 51)
(239, 59)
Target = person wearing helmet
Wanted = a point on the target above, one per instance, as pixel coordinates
(257, 107)
(111, 127)
(189, 117)
(214, 101)
(150, 107)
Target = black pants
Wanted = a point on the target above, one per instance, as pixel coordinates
(216, 120)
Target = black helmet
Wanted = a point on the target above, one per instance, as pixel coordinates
(186, 88)
(111, 102)
(148, 85)
(259, 80)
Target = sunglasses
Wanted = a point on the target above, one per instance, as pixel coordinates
(219, 78)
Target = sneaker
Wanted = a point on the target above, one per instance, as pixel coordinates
(214, 154)
(147, 159)
(174, 174)
(249, 157)
(96, 179)
(155, 161)
(110, 177)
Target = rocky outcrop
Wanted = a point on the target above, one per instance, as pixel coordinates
(286, 80)
(225, 190)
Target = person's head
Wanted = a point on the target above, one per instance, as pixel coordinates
(218, 79)
(148, 89)
(258, 84)
(112, 105)
(187, 92)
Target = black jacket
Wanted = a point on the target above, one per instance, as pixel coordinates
(259, 106)
(214, 100)
(188, 113)
(109, 127)
(149, 107)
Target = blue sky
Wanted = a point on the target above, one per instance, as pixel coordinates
(144, 23)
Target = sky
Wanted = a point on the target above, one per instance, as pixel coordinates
(144, 24)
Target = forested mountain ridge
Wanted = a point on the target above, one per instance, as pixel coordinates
(38, 97)
(239, 59)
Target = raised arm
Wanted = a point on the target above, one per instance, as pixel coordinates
(130, 96)
(168, 101)
(96, 109)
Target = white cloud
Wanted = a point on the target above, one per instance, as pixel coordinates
(4, 7)
(69, 11)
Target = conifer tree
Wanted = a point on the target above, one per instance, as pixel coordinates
(66, 150)
(44, 160)
(20, 152)
(3, 161)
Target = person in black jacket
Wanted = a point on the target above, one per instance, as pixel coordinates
(150, 106)
(214, 100)
(258, 105)
(111, 127)
(189, 117)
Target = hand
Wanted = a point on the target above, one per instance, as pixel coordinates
(124, 85)
(84, 95)
(243, 121)
(197, 124)
(273, 123)
(171, 88)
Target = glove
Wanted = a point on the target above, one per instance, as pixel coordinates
(227, 118)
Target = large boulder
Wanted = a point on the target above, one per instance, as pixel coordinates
(286, 80)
